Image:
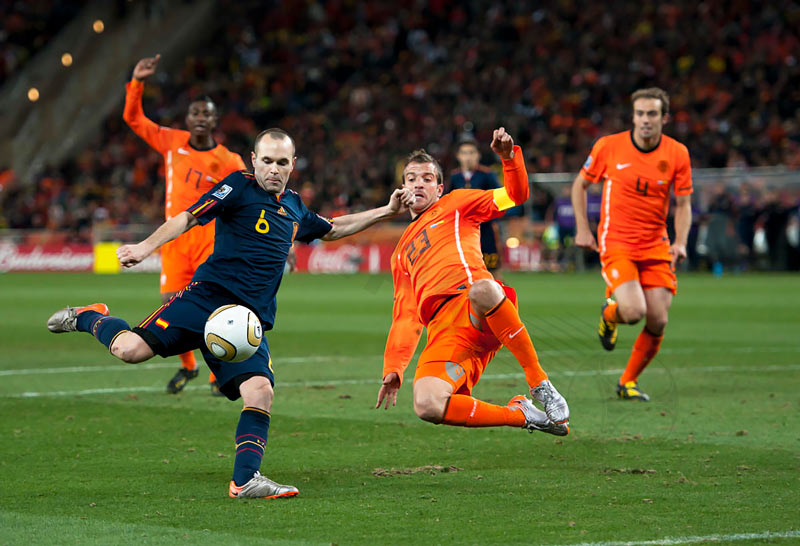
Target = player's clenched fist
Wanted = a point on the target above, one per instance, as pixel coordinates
(146, 67)
(130, 255)
(502, 143)
(400, 200)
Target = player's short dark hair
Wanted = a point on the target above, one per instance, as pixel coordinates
(277, 134)
(652, 93)
(205, 99)
(421, 156)
(467, 142)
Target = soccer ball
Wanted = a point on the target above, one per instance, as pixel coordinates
(232, 333)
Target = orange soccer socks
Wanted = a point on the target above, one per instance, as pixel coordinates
(466, 411)
(188, 361)
(508, 328)
(610, 312)
(644, 350)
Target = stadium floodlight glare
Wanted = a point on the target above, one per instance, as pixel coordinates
(66, 59)
(33, 94)
(98, 26)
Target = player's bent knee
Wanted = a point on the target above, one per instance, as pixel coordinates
(485, 294)
(131, 348)
(429, 406)
(631, 314)
(257, 392)
(429, 410)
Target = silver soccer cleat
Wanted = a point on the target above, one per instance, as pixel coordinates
(66, 320)
(536, 419)
(554, 404)
(261, 487)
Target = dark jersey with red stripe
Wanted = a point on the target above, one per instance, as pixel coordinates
(254, 232)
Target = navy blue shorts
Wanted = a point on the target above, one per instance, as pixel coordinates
(177, 327)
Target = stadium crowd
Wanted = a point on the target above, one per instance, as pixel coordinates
(359, 84)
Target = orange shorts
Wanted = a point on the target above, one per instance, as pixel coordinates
(459, 345)
(181, 257)
(619, 269)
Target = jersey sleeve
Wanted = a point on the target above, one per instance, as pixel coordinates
(515, 188)
(219, 198)
(312, 226)
(683, 172)
(406, 328)
(595, 165)
(156, 136)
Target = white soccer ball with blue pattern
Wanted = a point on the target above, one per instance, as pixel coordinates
(233, 333)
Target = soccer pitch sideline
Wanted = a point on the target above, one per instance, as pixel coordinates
(94, 452)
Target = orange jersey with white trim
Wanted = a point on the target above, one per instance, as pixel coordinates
(636, 192)
(189, 173)
(439, 255)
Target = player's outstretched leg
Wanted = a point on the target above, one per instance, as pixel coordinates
(607, 329)
(113, 332)
(489, 299)
(251, 442)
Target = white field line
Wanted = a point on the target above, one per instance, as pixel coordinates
(376, 381)
(378, 358)
(669, 541)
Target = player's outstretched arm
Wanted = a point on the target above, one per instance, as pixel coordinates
(353, 223)
(583, 233)
(515, 174)
(683, 223)
(130, 255)
(133, 114)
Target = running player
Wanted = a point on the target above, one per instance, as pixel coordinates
(194, 163)
(257, 221)
(639, 169)
(472, 175)
(441, 283)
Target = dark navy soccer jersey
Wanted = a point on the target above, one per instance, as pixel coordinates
(254, 233)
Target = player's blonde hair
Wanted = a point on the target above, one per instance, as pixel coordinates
(652, 93)
(421, 156)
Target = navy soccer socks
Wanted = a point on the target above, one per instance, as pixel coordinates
(104, 327)
(251, 441)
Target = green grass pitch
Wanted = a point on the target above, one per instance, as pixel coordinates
(94, 452)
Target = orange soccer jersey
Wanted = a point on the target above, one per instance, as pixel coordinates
(439, 256)
(189, 173)
(636, 193)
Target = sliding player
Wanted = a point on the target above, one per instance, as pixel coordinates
(257, 221)
(193, 164)
(441, 283)
(639, 169)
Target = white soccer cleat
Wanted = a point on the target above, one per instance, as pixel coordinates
(554, 404)
(261, 487)
(536, 419)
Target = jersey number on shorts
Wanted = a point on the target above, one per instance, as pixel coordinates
(424, 244)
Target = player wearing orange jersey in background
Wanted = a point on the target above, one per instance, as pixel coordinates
(193, 163)
(638, 169)
(441, 283)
